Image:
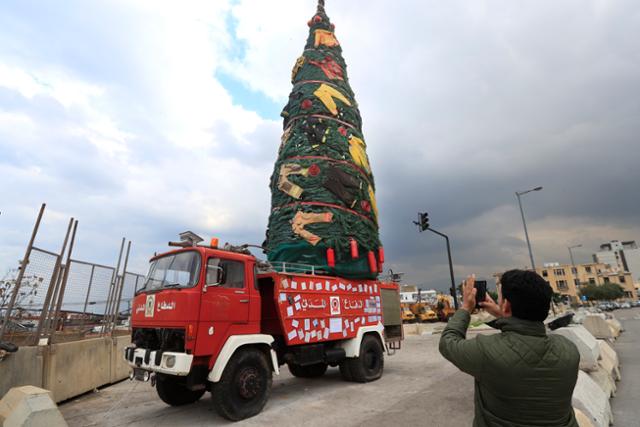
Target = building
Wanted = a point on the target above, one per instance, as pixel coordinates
(410, 294)
(625, 256)
(566, 279)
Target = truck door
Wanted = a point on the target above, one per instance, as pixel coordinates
(225, 303)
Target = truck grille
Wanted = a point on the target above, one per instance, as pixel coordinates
(165, 339)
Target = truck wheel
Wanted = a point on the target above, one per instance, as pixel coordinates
(369, 365)
(244, 387)
(173, 390)
(309, 371)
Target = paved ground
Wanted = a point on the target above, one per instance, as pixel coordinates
(626, 404)
(418, 387)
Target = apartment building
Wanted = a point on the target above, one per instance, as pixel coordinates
(624, 256)
(566, 279)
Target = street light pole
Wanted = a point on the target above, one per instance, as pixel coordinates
(571, 253)
(524, 223)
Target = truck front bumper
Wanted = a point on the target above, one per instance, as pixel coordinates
(166, 362)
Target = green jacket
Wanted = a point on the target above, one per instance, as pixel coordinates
(523, 377)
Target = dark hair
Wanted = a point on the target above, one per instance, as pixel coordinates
(528, 293)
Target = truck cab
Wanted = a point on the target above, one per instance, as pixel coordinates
(207, 320)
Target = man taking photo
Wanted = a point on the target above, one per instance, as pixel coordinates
(523, 377)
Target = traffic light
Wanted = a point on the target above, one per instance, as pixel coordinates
(424, 221)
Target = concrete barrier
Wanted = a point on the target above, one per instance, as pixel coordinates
(603, 378)
(598, 326)
(586, 343)
(609, 359)
(606, 364)
(583, 420)
(410, 328)
(29, 406)
(592, 401)
(616, 326)
(607, 351)
(66, 369)
(77, 367)
(25, 367)
(119, 368)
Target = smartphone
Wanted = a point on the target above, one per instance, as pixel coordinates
(481, 291)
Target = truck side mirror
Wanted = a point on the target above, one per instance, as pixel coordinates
(215, 277)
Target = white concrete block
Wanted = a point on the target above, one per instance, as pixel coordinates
(410, 328)
(607, 350)
(616, 326)
(604, 380)
(598, 326)
(586, 343)
(609, 366)
(30, 406)
(583, 420)
(592, 401)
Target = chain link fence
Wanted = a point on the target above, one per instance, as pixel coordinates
(34, 286)
(60, 305)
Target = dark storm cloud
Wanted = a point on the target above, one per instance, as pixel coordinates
(463, 103)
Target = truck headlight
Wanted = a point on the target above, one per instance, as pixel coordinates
(170, 362)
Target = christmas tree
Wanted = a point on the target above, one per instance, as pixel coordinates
(323, 195)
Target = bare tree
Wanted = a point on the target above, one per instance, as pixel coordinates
(27, 294)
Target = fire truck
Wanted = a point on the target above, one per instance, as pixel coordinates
(219, 320)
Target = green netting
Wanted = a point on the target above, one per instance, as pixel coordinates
(323, 191)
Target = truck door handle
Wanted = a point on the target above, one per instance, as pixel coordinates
(244, 301)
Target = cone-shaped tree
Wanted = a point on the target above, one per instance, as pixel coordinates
(323, 195)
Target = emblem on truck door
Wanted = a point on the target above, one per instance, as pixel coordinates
(335, 305)
(149, 306)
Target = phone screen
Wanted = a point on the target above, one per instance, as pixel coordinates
(481, 291)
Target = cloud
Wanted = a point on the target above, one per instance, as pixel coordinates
(138, 119)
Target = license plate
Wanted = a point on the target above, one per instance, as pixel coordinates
(138, 374)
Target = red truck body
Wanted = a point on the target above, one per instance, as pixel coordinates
(221, 305)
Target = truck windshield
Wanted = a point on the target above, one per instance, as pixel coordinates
(173, 271)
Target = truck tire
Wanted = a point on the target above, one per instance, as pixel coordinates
(369, 365)
(173, 390)
(309, 371)
(244, 387)
(345, 373)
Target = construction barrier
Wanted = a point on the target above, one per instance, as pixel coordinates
(616, 326)
(29, 406)
(597, 325)
(66, 369)
(589, 398)
(583, 420)
(586, 344)
(604, 381)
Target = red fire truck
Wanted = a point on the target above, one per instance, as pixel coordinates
(219, 320)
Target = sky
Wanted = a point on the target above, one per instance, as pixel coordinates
(148, 118)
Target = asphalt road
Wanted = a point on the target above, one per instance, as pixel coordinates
(626, 404)
(418, 387)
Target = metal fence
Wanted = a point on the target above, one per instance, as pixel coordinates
(52, 297)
